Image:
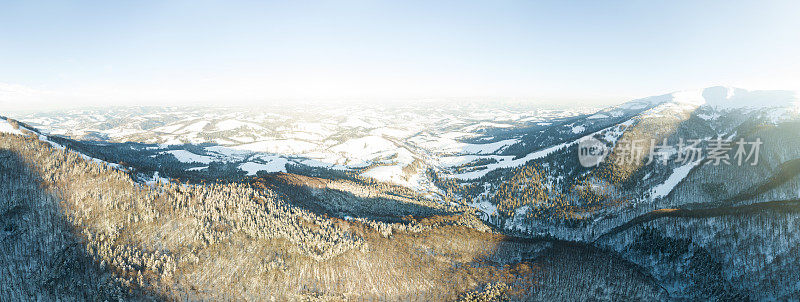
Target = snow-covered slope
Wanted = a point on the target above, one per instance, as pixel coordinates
(6, 127)
(10, 126)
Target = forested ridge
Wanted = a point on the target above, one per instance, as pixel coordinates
(76, 229)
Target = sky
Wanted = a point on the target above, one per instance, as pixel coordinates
(100, 53)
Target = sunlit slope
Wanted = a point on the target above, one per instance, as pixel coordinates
(553, 194)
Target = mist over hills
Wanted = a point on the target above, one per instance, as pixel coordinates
(174, 203)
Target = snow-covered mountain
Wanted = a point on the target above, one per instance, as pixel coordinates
(706, 116)
(704, 182)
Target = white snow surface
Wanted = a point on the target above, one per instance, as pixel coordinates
(5, 127)
(487, 148)
(393, 174)
(279, 146)
(189, 157)
(512, 163)
(678, 174)
(156, 179)
(276, 164)
(364, 148)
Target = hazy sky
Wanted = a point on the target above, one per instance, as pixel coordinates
(229, 52)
